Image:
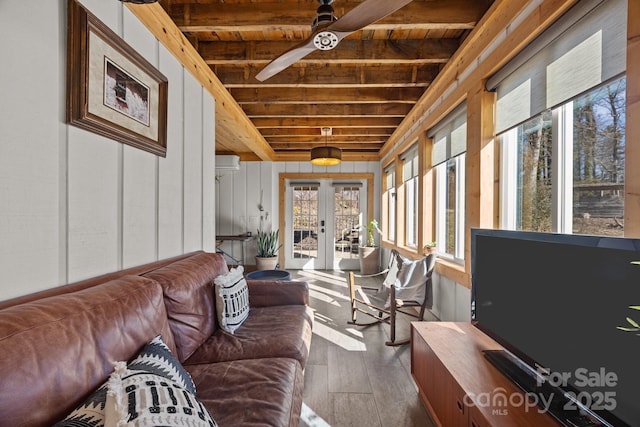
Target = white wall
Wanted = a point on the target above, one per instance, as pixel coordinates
(74, 204)
(238, 196)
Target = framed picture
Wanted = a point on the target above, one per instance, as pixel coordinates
(112, 90)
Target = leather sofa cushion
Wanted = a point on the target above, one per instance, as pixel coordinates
(251, 393)
(188, 294)
(263, 293)
(278, 331)
(55, 351)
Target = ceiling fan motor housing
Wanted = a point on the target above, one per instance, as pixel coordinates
(324, 40)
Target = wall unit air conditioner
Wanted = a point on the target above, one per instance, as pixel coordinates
(229, 162)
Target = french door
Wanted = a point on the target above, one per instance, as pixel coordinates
(322, 220)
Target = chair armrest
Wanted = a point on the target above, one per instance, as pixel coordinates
(265, 293)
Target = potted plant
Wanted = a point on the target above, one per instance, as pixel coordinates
(369, 254)
(267, 254)
(430, 247)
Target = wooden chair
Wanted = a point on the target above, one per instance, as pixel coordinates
(406, 289)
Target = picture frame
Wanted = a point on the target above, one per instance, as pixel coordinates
(113, 90)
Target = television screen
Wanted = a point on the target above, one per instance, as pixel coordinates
(566, 306)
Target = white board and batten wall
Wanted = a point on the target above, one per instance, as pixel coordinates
(74, 204)
(239, 194)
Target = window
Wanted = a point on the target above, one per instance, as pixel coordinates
(563, 170)
(560, 114)
(448, 158)
(389, 200)
(410, 178)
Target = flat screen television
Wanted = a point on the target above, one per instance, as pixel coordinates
(562, 306)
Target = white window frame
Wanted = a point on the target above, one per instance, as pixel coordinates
(441, 211)
(410, 174)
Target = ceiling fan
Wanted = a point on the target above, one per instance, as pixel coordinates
(327, 30)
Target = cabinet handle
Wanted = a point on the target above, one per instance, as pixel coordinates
(460, 406)
(474, 424)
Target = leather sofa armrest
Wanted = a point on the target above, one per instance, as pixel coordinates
(264, 293)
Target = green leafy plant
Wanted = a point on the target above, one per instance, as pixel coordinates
(632, 325)
(267, 242)
(430, 247)
(372, 227)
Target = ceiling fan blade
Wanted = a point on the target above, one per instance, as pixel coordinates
(364, 14)
(357, 18)
(288, 58)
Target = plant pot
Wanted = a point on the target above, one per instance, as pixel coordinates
(369, 259)
(268, 263)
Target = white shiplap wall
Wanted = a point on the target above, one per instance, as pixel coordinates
(239, 192)
(74, 204)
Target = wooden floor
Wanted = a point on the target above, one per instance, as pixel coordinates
(352, 378)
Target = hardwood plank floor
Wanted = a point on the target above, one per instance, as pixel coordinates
(352, 379)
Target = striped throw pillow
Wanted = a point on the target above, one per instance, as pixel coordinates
(232, 299)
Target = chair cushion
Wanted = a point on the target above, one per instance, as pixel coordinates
(395, 262)
(410, 283)
(232, 299)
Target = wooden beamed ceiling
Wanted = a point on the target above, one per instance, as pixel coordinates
(362, 89)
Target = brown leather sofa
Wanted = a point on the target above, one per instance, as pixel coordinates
(59, 345)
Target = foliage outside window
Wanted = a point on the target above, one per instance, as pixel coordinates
(346, 219)
(563, 170)
(448, 158)
(389, 200)
(410, 177)
(450, 206)
(305, 221)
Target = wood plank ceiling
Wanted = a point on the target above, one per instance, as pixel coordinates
(362, 89)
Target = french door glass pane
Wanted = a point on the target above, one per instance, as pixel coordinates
(346, 219)
(305, 222)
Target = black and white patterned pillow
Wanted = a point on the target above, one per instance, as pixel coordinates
(155, 357)
(89, 413)
(142, 399)
(232, 299)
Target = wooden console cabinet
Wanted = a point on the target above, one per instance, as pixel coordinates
(459, 386)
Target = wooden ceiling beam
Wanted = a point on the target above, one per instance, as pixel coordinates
(425, 51)
(229, 115)
(309, 145)
(316, 139)
(316, 96)
(266, 16)
(332, 122)
(324, 110)
(412, 75)
(311, 132)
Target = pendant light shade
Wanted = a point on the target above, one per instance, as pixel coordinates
(326, 155)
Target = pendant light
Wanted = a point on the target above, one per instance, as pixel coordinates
(326, 155)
